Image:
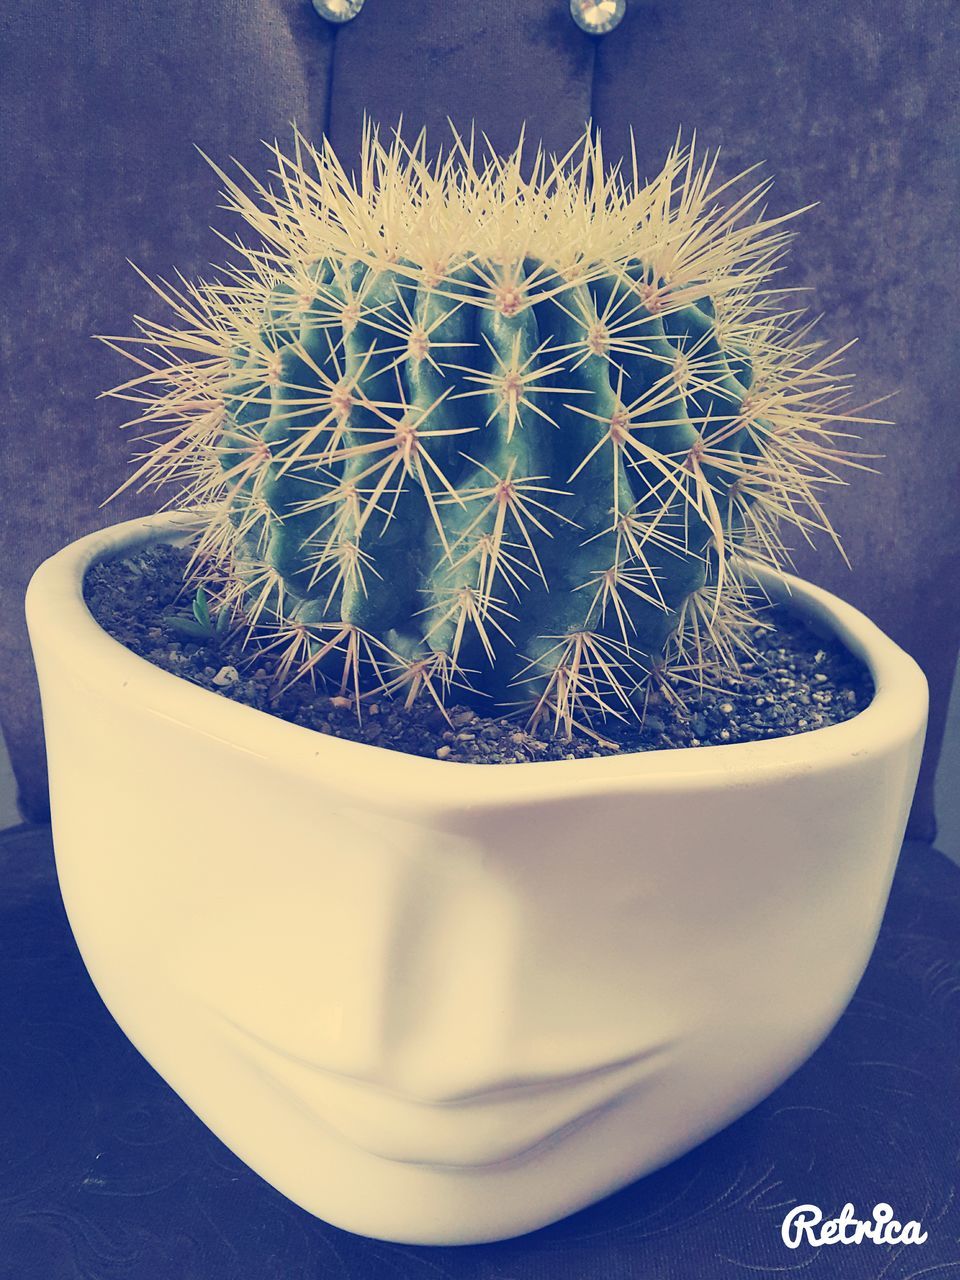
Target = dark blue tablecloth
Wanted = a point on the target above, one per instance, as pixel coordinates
(105, 1174)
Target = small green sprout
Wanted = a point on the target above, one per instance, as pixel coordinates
(202, 625)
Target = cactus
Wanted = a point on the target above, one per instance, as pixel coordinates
(489, 428)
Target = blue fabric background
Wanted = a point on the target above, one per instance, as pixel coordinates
(853, 105)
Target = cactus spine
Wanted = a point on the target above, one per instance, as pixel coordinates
(476, 425)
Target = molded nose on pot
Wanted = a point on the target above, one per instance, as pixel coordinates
(329, 950)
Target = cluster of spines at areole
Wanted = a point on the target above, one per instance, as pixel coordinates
(467, 426)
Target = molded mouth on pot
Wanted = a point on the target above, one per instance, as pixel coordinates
(505, 1120)
(464, 1095)
(61, 624)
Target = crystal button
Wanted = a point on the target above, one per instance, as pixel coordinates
(598, 16)
(338, 10)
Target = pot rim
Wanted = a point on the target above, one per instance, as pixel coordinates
(61, 624)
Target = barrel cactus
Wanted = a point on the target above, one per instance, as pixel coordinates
(484, 428)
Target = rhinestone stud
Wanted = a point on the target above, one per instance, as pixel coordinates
(338, 10)
(597, 16)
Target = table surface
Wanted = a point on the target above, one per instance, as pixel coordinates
(106, 1175)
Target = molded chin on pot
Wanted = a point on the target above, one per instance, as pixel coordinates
(448, 1003)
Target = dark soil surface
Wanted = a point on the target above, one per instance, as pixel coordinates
(800, 681)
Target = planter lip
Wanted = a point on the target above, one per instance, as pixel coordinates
(60, 622)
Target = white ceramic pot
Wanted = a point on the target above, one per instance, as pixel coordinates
(446, 1003)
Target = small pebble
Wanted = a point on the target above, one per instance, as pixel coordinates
(225, 677)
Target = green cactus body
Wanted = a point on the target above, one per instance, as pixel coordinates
(396, 520)
(524, 471)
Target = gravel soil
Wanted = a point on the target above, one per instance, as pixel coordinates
(799, 681)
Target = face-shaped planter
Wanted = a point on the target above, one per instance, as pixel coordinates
(441, 1002)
